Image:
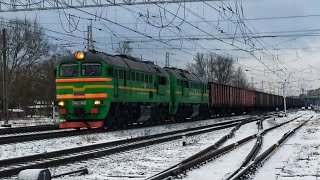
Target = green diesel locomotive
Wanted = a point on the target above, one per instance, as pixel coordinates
(96, 89)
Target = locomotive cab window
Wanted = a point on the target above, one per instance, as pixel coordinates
(128, 75)
(91, 69)
(146, 78)
(133, 76)
(150, 79)
(110, 71)
(138, 77)
(162, 80)
(120, 74)
(68, 70)
(185, 84)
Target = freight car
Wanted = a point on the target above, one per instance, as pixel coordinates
(96, 89)
(226, 99)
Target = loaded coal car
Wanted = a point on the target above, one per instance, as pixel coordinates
(95, 89)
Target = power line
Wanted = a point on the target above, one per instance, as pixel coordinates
(43, 5)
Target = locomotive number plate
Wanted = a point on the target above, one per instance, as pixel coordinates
(79, 103)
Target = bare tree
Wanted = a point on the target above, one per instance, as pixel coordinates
(26, 44)
(220, 68)
(191, 68)
(124, 47)
(200, 64)
(239, 78)
(26, 48)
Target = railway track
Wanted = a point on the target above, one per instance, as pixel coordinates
(39, 128)
(28, 129)
(243, 172)
(32, 136)
(212, 152)
(10, 167)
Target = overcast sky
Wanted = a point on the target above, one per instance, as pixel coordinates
(294, 56)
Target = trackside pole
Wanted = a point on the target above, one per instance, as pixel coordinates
(284, 99)
(5, 100)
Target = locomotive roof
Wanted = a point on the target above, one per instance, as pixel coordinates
(123, 61)
(184, 75)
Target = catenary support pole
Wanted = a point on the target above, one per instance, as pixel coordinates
(284, 99)
(5, 100)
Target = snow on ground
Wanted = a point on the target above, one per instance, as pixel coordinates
(252, 128)
(244, 131)
(220, 168)
(144, 162)
(35, 147)
(36, 121)
(230, 162)
(273, 136)
(298, 158)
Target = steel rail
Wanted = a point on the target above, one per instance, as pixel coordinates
(200, 158)
(213, 147)
(93, 151)
(47, 127)
(25, 137)
(251, 168)
(28, 129)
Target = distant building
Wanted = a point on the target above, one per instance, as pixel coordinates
(41, 108)
(14, 113)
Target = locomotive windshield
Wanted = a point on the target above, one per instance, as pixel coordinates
(91, 69)
(69, 70)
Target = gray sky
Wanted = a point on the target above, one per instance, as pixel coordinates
(294, 56)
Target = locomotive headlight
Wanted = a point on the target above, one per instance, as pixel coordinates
(79, 55)
(97, 102)
(60, 103)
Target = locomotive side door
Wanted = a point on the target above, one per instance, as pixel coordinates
(162, 81)
(202, 91)
(116, 83)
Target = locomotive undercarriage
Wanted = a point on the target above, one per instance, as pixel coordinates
(124, 114)
(191, 112)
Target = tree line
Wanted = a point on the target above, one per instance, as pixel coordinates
(218, 68)
(31, 59)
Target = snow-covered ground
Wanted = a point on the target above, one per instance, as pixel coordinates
(143, 162)
(291, 161)
(30, 122)
(221, 167)
(297, 158)
(47, 145)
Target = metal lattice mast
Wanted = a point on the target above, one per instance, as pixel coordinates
(90, 45)
(167, 59)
